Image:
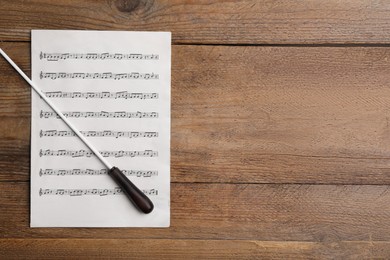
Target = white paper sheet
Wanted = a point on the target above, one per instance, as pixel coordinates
(115, 87)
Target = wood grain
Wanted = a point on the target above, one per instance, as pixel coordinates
(208, 22)
(274, 149)
(188, 249)
(251, 115)
(317, 213)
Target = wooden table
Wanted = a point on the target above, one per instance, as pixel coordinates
(280, 129)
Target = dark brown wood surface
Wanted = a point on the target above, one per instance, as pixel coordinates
(280, 130)
(208, 21)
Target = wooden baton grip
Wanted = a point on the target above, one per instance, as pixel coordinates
(139, 199)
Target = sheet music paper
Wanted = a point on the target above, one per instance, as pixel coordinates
(115, 88)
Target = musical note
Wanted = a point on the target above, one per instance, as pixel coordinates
(101, 114)
(104, 75)
(88, 153)
(76, 172)
(102, 95)
(97, 56)
(105, 133)
(82, 192)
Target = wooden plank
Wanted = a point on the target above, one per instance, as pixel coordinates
(189, 249)
(252, 115)
(208, 22)
(317, 213)
(15, 115)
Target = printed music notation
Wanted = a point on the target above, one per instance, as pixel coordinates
(101, 114)
(104, 75)
(81, 192)
(116, 88)
(105, 133)
(88, 153)
(97, 56)
(113, 95)
(73, 172)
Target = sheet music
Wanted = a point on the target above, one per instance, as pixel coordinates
(115, 88)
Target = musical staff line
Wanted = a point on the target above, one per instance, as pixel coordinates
(97, 56)
(104, 75)
(88, 153)
(82, 192)
(101, 114)
(102, 95)
(92, 172)
(104, 133)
